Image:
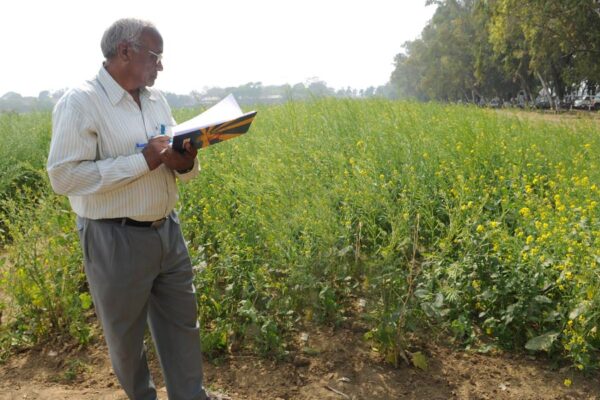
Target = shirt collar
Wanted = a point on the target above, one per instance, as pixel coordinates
(115, 92)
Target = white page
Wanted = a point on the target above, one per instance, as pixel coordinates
(225, 110)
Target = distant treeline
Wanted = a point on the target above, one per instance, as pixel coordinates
(249, 93)
(473, 50)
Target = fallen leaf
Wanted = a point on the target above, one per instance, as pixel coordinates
(419, 360)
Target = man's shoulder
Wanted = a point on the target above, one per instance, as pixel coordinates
(81, 94)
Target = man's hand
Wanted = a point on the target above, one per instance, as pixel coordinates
(153, 150)
(179, 161)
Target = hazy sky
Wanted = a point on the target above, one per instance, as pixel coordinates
(49, 45)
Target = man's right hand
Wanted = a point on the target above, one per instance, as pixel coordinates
(153, 149)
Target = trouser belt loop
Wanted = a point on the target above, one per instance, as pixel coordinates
(158, 224)
(123, 221)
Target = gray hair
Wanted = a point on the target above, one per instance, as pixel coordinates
(126, 30)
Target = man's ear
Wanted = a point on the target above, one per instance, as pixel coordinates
(124, 52)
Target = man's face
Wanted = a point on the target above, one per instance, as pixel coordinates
(143, 66)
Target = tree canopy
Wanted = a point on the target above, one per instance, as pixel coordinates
(479, 49)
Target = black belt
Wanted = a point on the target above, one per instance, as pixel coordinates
(132, 222)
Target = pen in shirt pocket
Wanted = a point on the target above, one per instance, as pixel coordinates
(161, 130)
(164, 129)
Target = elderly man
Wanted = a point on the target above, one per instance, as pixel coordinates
(110, 154)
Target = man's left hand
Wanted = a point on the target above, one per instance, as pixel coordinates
(179, 161)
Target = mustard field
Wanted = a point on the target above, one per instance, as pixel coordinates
(409, 219)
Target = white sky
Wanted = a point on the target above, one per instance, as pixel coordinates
(54, 44)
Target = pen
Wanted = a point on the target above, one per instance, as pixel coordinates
(163, 131)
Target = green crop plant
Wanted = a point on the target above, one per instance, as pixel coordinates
(465, 222)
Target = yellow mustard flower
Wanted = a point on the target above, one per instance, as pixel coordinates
(525, 212)
(568, 382)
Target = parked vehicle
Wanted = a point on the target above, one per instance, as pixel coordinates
(567, 102)
(596, 102)
(542, 103)
(522, 99)
(583, 103)
(495, 103)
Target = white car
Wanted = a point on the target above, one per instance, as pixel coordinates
(596, 102)
(583, 103)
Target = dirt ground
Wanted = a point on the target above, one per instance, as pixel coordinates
(340, 365)
(563, 117)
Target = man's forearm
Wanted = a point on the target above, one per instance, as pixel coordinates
(80, 178)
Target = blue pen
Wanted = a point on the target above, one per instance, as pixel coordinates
(163, 128)
(163, 131)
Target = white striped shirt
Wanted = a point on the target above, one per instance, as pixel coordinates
(98, 132)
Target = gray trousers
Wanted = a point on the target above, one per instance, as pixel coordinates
(140, 275)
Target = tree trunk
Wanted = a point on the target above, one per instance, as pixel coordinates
(559, 85)
(464, 95)
(546, 90)
(524, 86)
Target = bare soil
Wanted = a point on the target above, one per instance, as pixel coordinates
(340, 365)
(562, 117)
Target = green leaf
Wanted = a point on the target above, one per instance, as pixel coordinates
(439, 300)
(552, 316)
(542, 299)
(344, 251)
(311, 351)
(419, 360)
(86, 300)
(577, 311)
(543, 342)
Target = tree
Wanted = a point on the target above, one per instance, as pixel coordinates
(453, 59)
(559, 40)
(473, 49)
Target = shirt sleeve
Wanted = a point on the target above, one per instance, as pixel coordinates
(190, 174)
(73, 167)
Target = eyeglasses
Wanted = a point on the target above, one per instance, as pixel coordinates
(158, 56)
